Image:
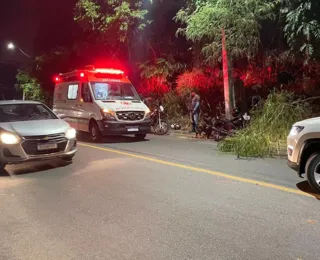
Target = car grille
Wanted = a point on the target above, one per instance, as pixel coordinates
(130, 115)
(30, 145)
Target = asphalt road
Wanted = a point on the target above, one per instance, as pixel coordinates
(166, 198)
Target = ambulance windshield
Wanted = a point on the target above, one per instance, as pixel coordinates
(114, 91)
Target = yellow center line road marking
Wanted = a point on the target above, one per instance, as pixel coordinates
(196, 169)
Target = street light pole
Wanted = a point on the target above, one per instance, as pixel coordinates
(24, 53)
(11, 46)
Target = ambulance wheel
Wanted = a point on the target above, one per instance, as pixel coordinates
(95, 134)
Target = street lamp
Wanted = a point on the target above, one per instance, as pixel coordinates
(12, 47)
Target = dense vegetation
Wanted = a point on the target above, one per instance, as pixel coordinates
(267, 133)
(171, 47)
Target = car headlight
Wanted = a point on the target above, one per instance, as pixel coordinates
(71, 133)
(8, 138)
(108, 114)
(295, 130)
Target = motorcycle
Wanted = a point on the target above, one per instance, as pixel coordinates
(159, 124)
(222, 127)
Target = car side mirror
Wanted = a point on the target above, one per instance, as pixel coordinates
(62, 116)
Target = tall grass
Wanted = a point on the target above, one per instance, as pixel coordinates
(176, 109)
(173, 104)
(266, 135)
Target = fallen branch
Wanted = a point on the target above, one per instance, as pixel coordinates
(305, 100)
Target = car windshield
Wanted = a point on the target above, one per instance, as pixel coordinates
(25, 112)
(114, 91)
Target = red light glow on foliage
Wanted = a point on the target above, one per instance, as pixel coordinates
(197, 79)
(154, 85)
(257, 76)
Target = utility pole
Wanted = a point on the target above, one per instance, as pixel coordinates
(228, 90)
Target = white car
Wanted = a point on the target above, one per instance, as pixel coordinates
(303, 146)
(31, 131)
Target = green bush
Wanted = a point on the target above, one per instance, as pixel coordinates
(173, 104)
(271, 122)
(176, 109)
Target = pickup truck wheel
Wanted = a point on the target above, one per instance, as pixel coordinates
(95, 133)
(313, 171)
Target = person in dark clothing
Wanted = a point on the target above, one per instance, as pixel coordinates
(195, 112)
(206, 127)
(149, 103)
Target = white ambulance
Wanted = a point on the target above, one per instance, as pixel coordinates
(102, 102)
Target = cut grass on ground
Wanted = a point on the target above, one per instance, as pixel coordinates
(266, 135)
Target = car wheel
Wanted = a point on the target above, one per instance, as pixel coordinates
(140, 136)
(95, 133)
(68, 158)
(2, 166)
(313, 171)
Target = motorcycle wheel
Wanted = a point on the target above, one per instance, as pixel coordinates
(217, 137)
(219, 134)
(163, 129)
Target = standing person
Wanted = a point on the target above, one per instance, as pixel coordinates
(195, 111)
(189, 105)
(148, 102)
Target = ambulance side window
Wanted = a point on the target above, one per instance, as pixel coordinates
(73, 91)
(85, 93)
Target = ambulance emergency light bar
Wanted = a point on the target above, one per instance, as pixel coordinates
(107, 73)
(110, 71)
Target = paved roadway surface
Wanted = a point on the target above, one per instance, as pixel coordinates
(166, 198)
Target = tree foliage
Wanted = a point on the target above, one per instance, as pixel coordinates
(240, 19)
(124, 18)
(302, 28)
(160, 67)
(29, 86)
(157, 76)
(88, 15)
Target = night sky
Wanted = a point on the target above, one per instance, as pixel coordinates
(38, 26)
(35, 26)
(17, 24)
